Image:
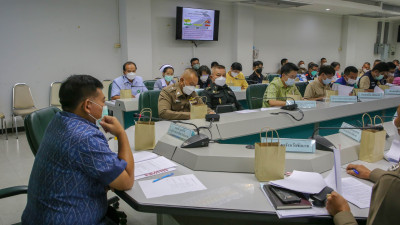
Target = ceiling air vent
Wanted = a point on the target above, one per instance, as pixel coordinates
(392, 8)
(365, 2)
(276, 3)
(376, 15)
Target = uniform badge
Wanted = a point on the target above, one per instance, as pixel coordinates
(220, 102)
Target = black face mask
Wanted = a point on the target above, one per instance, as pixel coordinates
(259, 70)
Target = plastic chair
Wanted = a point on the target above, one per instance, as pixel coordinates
(302, 87)
(3, 125)
(106, 88)
(54, 94)
(254, 95)
(272, 76)
(22, 103)
(149, 84)
(149, 99)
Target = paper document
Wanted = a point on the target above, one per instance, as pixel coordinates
(344, 90)
(291, 213)
(138, 177)
(377, 89)
(304, 182)
(356, 192)
(269, 108)
(246, 111)
(143, 156)
(171, 186)
(394, 153)
(152, 166)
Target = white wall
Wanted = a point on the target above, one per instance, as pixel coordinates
(41, 43)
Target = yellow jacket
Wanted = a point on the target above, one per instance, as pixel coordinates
(239, 80)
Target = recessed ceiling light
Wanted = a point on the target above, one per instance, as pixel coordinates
(327, 9)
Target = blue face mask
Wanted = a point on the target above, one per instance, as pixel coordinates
(103, 113)
(168, 78)
(380, 77)
(289, 82)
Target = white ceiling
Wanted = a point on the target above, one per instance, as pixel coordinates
(338, 7)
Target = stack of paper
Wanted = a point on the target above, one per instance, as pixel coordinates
(146, 165)
(356, 192)
(394, 153)
(303, 182)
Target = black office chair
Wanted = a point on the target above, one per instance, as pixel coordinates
(35, 126)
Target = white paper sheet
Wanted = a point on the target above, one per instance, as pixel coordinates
(377, 89)
(356, 192)
(269, 108)
(171, 186)
(152, 166)
(304, 182)
(247, 111)
(334, 178)
(393, 155)
(344, 90)
(155, 173)
(143, 156)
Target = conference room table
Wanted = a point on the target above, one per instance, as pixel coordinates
(236, 197)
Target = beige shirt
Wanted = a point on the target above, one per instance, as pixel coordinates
(364, 82)
(385, 200)
(173, 104)
(315, 89)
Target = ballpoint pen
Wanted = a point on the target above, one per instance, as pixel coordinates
(168, 175)
(355, 171)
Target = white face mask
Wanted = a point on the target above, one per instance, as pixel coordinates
(130, 75)
(303, 66)
(327, 81)
(220, 81)
(204, 78)
(351, 81)
(234, 74)
(188, 90)
(391, 74)
(365, 70)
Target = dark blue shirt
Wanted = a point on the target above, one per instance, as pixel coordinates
(72, 168)
(397, 72)
(342, 81)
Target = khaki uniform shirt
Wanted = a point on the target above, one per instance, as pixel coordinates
(173, 104)
(385, 200)
(315, 89)
(364, 82)
(277, 91)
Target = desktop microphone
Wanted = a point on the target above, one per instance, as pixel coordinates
(196, 141)
(325, 145)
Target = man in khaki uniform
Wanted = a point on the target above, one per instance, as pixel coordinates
(173, 102)
(373, 77)
(316, 89)
(385, 199)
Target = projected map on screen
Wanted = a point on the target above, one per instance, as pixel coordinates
(197, 24)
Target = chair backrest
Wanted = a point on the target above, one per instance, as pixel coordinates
(109, 90)
(54, 94)
(22, 97)
(302, 87)
(106, 87)
(272, 76)
(35, 126)
(255, 91)
(149, 84)
(149, 99)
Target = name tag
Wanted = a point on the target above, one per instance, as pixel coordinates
(306, 104)
(295, 145)
(370, 95)
(392, 92)
(338, 98)
(180, 132)
(235, 88)
(353, 134)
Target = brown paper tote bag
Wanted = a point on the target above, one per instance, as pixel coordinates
(145, 138)
(125, 93)
(372, 142)
(198, 110)
(269, 160)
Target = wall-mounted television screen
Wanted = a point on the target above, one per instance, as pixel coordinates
(197, 24)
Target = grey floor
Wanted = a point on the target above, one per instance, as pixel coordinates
(16, 160)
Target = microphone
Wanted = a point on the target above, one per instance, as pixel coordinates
(325, 145)
(290, 107)
(199, 140)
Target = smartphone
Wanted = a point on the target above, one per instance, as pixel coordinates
(285, 196)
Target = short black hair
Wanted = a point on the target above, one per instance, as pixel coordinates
(203, 68)
(76, 89)
(335, 64)
(311, 65)
(327, 70)
(367, 63)
(128, 63)
(381, 67)
(323, 58)
(396, 61)
(391, 65)
(257, 63)
(221, 67)
(377, 60)
(283, 60)
(236, 66)
(194, 59)
(289, 67)
(350, 69)
(214, 64)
